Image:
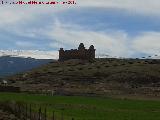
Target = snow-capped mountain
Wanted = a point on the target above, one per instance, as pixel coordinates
(12, 65)
(155, 57)
(30, 53)
(118, 57)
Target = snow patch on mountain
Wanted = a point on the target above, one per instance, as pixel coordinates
(37, 54)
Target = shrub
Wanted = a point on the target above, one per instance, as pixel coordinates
(130, 62)
(115, 65)
(89, 68)
(80, 68)
(71, 70)
(98, 67)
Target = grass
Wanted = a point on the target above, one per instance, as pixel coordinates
(91, 108)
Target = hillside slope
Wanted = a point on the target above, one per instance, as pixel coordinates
(101, 77)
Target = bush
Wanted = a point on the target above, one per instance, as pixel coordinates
(89, 68)
(80, 68)
(115, 64)
(130, 62)
(71, 70)
(98, 67)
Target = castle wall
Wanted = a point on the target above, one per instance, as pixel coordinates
(81, 53)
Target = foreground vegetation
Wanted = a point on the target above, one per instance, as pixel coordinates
(91, 108)
(102, 77)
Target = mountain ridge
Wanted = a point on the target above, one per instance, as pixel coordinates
(10, 65)
(37, 54)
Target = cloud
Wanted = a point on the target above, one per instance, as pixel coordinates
(37, 22)
(13, 16)
(17, 15)
(147, 43)
(113, 43)
(150, 7)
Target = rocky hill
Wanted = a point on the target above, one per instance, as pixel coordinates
(99, 77)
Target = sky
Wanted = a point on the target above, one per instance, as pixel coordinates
(123, 28)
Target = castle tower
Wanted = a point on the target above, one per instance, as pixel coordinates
(91, 47)
(61, 54)
(91, 52)
(81, 46)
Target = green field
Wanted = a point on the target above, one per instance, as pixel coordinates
(91, 108)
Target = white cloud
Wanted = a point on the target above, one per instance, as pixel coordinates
(15, 14)
(115, 44)
(150, 7)
(118, 43)
(148, 43)
(13, 17)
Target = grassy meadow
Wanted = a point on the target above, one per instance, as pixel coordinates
(90, 108)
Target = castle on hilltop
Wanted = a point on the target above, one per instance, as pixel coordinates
(80, 53)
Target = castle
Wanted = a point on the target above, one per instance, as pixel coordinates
(80, 53)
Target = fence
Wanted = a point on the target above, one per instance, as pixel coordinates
(25, 111)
